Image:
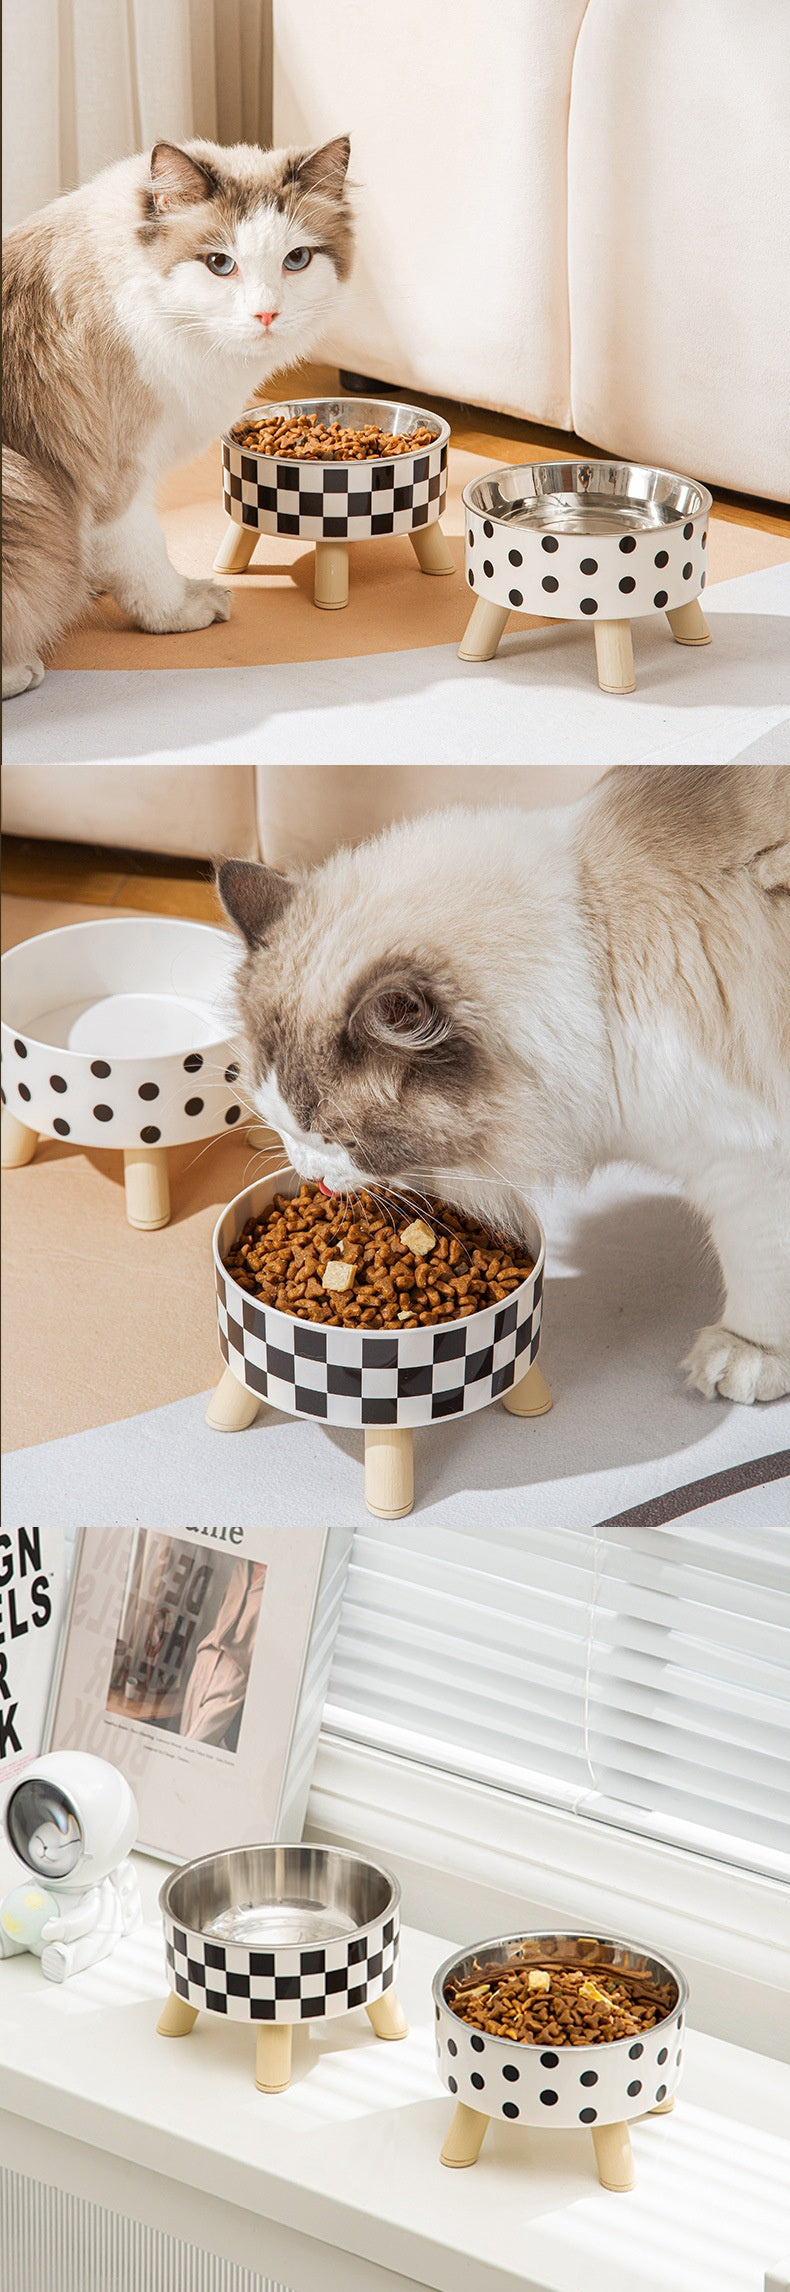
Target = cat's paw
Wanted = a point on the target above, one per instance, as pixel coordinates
(202, 603)
(720, 1362)
(23, 676)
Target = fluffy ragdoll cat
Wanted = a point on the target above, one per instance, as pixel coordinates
(478, 1000)
(139, 315)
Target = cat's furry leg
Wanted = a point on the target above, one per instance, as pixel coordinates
(746, 1355)
(23, 676)
(129, 559)
(44, 585)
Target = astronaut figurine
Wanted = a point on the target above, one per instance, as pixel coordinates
(72, 1821)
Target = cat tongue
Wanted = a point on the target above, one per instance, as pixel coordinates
(323, 1188)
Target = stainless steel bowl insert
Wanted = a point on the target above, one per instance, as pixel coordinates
(587, 497)
(278, 1897)
(391, 414)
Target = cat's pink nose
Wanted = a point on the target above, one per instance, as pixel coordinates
(265, 316)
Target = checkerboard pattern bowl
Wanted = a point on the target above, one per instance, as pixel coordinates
(112, 1032)
(586, 540)
(338, 501)
(561, 2086)
(281, 1933)
(371, 1377)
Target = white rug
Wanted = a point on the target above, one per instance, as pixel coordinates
(628, 1285)
(536, 703)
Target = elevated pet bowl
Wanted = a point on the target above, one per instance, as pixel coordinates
(602, 542)
(561, 2086)
(382, 1382)
(275, 1935)
(112, 1035)
(333, 503)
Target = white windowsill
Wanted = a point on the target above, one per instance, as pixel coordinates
(336, 2185)
(474, 1861)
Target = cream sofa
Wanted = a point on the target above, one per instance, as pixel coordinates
(576, 211)
(287, 815)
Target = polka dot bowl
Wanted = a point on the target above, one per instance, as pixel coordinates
(371, 1378)
(565, 2086)
(333, 500)
(113, 1033)
(586, 540)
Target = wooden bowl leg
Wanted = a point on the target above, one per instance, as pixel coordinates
(386, 2016)
(483, 631)
(177, 2018)
(432, 549)
(530, 1397)
(613, 2156)
(233, 1407)
(466, 2136)
(273, 2056)
(147, 1187)
(662, 2108)
(614, 652)
(236, 548)
(389, 1471)
(18, 1143)
(688, 624)
(330, 583)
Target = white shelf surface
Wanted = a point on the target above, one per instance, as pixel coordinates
(337, 2182)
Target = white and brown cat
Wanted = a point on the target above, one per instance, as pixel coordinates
(477, 1001)
(139, 315)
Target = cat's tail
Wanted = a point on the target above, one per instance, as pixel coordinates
(45, 587)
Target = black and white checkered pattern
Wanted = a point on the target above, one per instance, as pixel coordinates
(360, 1377)
(283, 1985)
(335, 501)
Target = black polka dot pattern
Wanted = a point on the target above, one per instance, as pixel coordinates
(614, 579)
(55, 1093)
(509, 2081)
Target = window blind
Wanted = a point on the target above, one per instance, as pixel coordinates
(638, 1676)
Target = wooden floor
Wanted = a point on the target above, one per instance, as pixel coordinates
(93, 875)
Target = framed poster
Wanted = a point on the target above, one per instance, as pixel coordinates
(197, 1660)
(32, 1598)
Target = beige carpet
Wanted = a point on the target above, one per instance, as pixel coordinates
(392, 607)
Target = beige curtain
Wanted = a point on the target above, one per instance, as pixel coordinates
(88, 81)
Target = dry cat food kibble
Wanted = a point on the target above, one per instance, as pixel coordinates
(560, 2005)
(302, 438)
(368, 1263)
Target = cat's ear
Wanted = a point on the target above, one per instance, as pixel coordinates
(323, 170)
(254, 897)
(399, 1013)
(177, 180)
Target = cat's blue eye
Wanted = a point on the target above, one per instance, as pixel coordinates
(298, 259)
(221, 266)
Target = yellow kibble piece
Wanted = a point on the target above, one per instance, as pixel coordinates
(337, 1275)
(537, 1979)
(418, 1238)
